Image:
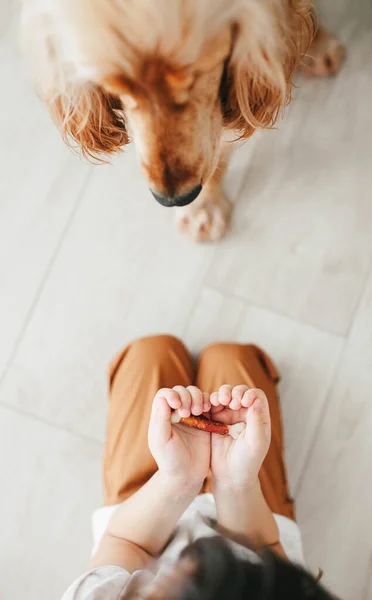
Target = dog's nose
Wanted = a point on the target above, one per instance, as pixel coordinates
(177, 200)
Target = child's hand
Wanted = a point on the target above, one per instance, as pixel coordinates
(180, 451)
(237, 462)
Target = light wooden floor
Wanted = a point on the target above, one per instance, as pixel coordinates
(89, 261)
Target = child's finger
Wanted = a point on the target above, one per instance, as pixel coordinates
(170, 396)
(214, 399)
(206, 402)
(250, 396)
(224, 394)
(236, 396)
(185, 397)
(258, 429)
(217, 409)
(160, 428)
(197, 401)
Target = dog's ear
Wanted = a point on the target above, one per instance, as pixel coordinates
(90, 119)
(257, 80)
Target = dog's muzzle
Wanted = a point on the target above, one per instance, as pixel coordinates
(184, 200)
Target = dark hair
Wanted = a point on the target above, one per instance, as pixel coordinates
(217, 574)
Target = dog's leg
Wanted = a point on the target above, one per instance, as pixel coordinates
(208, 217)
(324, 56)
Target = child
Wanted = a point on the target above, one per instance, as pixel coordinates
(189, 514)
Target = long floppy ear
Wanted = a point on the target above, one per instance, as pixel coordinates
(90, 119)
(268, 47)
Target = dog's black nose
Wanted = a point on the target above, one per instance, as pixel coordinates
(177, 200)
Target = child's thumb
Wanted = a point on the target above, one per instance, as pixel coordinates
(160, 429)
(258, 428)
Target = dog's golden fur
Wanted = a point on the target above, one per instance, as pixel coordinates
(169, 74)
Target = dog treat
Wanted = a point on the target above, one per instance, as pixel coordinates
(207, 425)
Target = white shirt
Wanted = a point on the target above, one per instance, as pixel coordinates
(199, 520)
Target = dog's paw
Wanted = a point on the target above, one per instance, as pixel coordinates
(207, 219)
(325, 55)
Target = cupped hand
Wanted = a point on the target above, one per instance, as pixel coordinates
(237, 462)
(179, 450)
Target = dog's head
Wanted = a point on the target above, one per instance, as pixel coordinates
(168, 74)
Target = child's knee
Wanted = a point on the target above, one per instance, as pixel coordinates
(222, 352)
(156, 348)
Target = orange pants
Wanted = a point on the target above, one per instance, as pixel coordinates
(149, 364)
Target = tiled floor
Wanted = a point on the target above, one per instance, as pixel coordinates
(89, 261)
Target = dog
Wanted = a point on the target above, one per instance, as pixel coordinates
(181, 78)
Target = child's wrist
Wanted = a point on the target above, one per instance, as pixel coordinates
(178, 484)
(243, 511)
(235, 486)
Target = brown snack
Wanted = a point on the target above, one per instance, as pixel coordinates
(208, 425)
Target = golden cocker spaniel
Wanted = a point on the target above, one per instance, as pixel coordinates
(181, 78)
